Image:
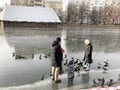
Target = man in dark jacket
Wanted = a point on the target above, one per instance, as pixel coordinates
(58, 39)
(55, 61)
(88, 54)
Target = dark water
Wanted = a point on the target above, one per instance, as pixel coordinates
(26, 41)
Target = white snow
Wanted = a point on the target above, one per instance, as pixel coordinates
(29, 14)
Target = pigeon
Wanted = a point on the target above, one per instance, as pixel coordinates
(75, 62)
(65, 56)
(106, 62)
(49, 54)
(13, 54)
(50, 73)
(65, 62)
(40, 57)
(77, 69)
(102, 82)
(99, 64)
(72, 58)
(46, 55)
(105, 69)
(32, 55)
(98, 67)
(42, 77)
(80, 63)
(110, 82)
(99, 79)
(106, 65)
(94, 82)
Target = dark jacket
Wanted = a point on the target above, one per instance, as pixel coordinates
(88, 54)
(60, 52)
(56, 55)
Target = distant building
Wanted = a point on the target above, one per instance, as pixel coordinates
(97, 3)
(20, 16)
(57, 5)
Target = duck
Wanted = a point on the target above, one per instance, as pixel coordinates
(19, 57)
(46, 55)
(32, 55)
(40, 57)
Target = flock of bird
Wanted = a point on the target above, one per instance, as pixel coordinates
(104, 66)
(46, 55)
(101, 82)
(78, 65)
(16, 56)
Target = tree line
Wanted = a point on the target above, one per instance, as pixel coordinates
(82, 13)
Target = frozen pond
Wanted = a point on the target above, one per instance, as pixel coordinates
(26, 74)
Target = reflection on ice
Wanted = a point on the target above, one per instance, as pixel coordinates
(63, 40)
(5, 49)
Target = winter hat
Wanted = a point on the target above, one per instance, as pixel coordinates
(87, 41)
(58, 39)
(54, 43)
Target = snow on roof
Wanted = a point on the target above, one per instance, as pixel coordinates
(29, 14)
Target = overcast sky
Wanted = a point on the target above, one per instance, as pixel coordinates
(3, 2)
(65, 2)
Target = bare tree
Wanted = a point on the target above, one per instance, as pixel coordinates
(94, 16)
(110, 13)
(83, 11)
(71, 12)
(100, 14)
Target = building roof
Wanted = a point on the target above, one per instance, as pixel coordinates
(29, 14)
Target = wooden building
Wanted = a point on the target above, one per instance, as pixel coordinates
(37, 17)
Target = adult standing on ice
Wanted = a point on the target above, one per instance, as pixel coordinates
(88, 54)
(58, 39)
(55, 61)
